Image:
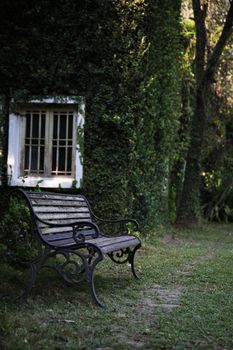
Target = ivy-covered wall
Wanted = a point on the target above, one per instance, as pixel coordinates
(133, 116)
(123, 57)
(111, 109)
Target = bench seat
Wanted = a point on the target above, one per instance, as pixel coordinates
(106, 244)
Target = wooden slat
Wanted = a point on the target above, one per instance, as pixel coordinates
(120, 245)
(114, 243)
(67, 221)
(41, 209)
(54, 230)
(59, 237)
(47, 228)
(56, 197)
(61, 230)
(59, 216)
(63, 243)
(104, 241)
(64, 236)
(51, 203)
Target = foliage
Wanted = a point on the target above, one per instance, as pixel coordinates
(217, 192)
(212, 39)
(123, 58)
(177, 167)
(129, 140)
(15, 235)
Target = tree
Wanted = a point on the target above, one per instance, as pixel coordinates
(206, 64)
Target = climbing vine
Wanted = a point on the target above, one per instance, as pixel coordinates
(123, 57)
(132, 141)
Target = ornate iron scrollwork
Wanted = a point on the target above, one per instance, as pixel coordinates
(77, 235)
(75, 265)
(71, 269)
(121, 256)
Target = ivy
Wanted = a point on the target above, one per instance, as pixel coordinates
(133, 150)
(123, 56)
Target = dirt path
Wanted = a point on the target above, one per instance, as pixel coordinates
(157, 298)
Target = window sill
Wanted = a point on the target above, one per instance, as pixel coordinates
(44, 182)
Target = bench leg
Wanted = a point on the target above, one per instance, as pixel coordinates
(131, 260)
(93, 258)
(34, 266)
(125, 255)
(91, 285)
(75, 273)
(79, 274)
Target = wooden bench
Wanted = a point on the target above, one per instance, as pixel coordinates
(65, 227)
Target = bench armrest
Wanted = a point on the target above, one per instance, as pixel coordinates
(75, 225)
(126, 221)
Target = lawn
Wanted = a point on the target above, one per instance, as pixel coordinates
(183, 300)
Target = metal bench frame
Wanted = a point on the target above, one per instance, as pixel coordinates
(79, 241)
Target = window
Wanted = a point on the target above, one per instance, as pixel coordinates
(45, 145)
(60, 125)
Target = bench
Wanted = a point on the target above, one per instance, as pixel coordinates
(66, 228)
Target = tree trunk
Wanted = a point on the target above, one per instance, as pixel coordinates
(189, 210)
(218, 202)
(176, 173)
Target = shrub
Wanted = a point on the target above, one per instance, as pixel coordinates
(16, 242)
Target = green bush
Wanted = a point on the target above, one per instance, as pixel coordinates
(15, 236)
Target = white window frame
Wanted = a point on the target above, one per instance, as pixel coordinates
(16, 145)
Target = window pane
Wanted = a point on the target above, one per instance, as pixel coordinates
(26, 160)
(55, 126)
(62, 133)
(28, 121)
(69, 158)
(70, 132)
(61, 160)
(62, 149)
(34, 158)
(54, 159)
(42, 159)
(43, 126)
(34, 142)
(35, 125)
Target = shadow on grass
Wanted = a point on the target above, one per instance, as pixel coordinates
(50, 288)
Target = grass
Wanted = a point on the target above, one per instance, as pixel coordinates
(184, 300)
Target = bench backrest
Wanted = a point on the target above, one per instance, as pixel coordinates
(58, 208)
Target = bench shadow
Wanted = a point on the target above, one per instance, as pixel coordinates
(51, 289)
